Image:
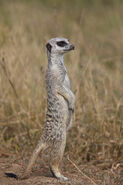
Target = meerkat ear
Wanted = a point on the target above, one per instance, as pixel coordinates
(49, 47)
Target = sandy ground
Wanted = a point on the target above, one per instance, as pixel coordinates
(84, 175)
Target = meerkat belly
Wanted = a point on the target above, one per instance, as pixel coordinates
(56, 118)
(57, 111)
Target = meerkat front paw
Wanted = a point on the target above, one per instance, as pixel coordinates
(71, 109)
(71, 104)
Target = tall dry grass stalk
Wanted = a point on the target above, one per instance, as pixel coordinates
(95, 70)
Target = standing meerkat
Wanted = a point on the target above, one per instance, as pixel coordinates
(60, 107)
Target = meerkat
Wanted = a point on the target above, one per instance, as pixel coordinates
(60, 107)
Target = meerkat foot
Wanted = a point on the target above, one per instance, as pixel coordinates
(58, 175)
(62, 178)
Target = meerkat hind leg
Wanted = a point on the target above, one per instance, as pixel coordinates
(40, 147)
(56, 158)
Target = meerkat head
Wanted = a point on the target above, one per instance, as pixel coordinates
(59, 46)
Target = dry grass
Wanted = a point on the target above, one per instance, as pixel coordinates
(95, 69)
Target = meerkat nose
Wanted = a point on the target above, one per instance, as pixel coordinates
(72, 47)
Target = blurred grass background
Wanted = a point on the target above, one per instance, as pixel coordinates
(95, 68)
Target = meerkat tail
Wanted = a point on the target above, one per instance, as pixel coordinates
(12, 175)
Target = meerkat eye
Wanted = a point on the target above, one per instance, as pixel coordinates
(61, 43)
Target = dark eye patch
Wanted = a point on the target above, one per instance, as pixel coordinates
(61, 43)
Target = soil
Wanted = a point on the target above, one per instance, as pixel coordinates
(86, 174)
